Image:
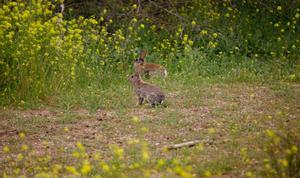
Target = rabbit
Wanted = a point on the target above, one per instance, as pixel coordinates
(152, 94)
(146, 68)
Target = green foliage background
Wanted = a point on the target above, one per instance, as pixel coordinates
(49, 48)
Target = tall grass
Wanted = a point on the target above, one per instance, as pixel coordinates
(45, 56)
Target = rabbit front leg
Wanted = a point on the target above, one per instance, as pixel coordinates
(141, 100)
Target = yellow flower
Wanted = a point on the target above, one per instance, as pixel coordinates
(133, 141)
(294, 149)
(145, 154)
(278, 39)
(10, 35)
(72, 170)
(134, 20)
(6, 149)
(17, 170)
(134, 6)
(43, 175)
(97, 156)
(56, 168)
(270, 133)
(203, 32)
(144, 129)
(207, 174)
(270, 117)
(21, 135)
(142, 26)
(283, 162)
(185, 38)
(193, 23)
(80, 146)
(279, 8)
(273, 53)
(135, 119)
(215, 35)
(161, 162)
(24, 147)
(105, 167)
(76, 154)
(249, 174)
(20, 157)
(200, 147)
(66, 129)
(93, 21)
(86, 168)
(118, 151)
(292, 77)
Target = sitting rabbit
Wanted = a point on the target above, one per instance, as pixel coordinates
(146, 68)
(152, 94)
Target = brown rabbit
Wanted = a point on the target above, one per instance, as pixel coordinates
(146, 68)
(145, 91)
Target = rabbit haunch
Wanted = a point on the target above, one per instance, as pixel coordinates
(152, 94)
(146, 68)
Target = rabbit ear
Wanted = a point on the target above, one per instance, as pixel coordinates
(143, 54)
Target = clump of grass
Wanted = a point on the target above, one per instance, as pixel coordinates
(282, 155)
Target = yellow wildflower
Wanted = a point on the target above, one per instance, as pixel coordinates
(135, 119)
(207, 174)
(66, 129)
(215, 35)
(20, 157)
(24, 147)
(105, 167)
(72, 170)
(185, 38)
(193, 23)
(86, 168)
(203, 32)
(21, 135)
(294, 149)
(279, 8)
(80, 146)
(6, 149)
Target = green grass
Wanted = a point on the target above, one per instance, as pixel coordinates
(229, 118)
(233, 83)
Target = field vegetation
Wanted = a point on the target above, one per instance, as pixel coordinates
(67, 108)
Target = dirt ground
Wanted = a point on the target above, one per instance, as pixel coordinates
(224, 117)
